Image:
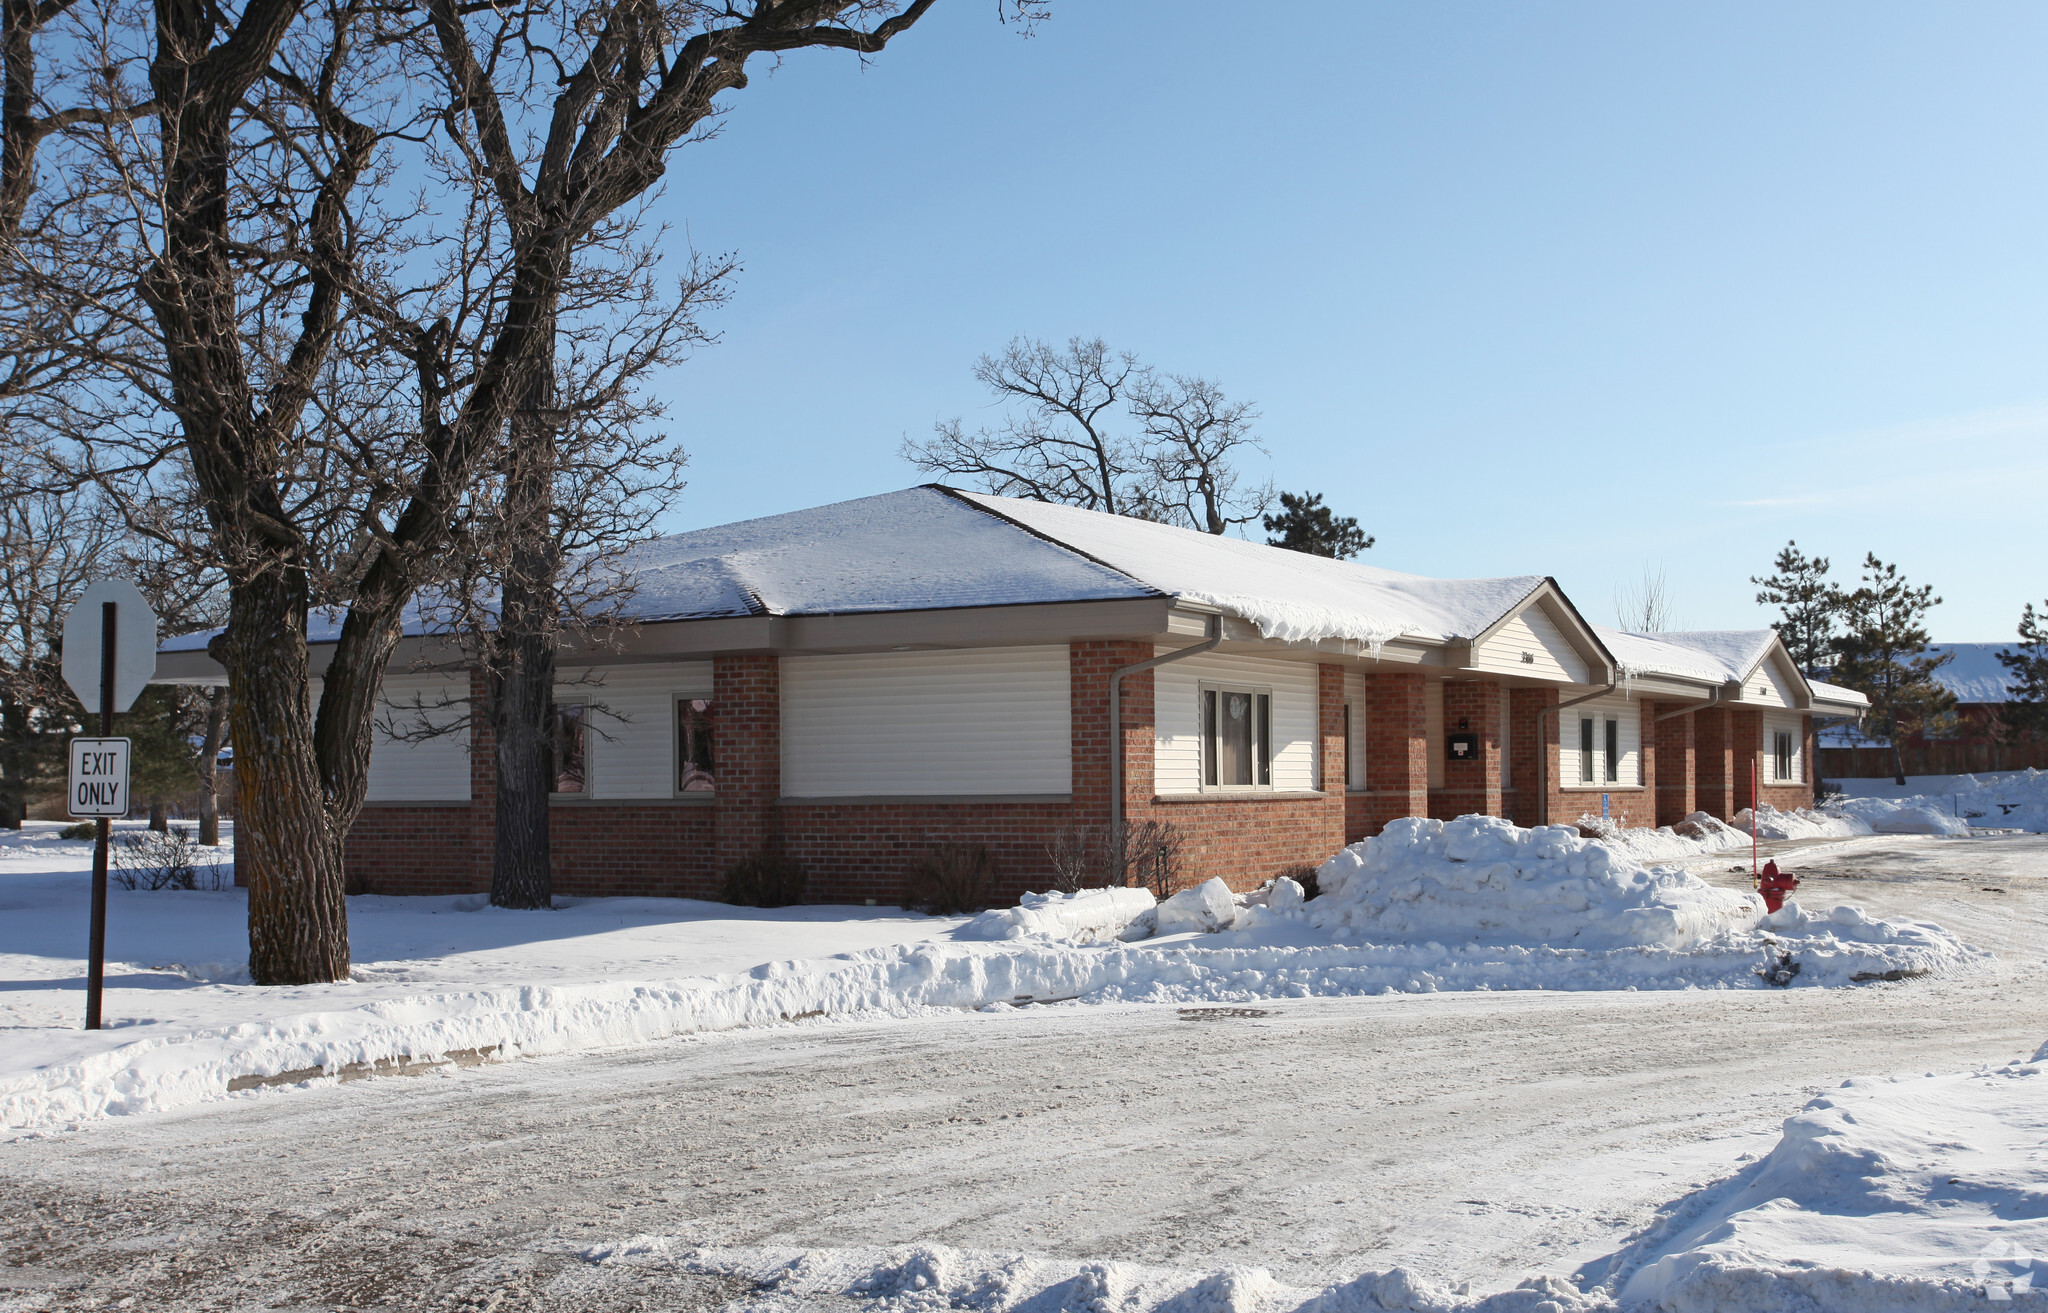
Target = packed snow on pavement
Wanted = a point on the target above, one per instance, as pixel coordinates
(1914, 1193)
(1887, 1195)
(1473, 904)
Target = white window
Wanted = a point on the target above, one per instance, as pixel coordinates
(1608, 743)
(569, 736)
(1783, 749)
(1237, 738)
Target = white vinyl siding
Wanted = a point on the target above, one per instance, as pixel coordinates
(1532, 634)
(1627, 716)
(424, 770)
(630, 728)
(1433, 730)
(1769, 686)
(1775, 725)
(959, 722)
(1176, 701)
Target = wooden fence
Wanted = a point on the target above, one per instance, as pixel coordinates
(1932, 759)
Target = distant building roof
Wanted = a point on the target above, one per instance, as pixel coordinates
(1975, 675)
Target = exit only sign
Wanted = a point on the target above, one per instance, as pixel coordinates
(99, 777)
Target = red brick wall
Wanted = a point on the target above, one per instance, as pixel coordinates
(747, 690)
(1330, 748)
(1714, 762)
(1675, 764)
(1396, 755)
(1473, 707)
(1534, 740)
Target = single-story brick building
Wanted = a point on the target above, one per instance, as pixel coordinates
(848, 685)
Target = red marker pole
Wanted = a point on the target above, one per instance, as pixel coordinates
(96, 952)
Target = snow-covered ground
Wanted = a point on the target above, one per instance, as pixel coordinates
(1251, 1147)
(2011, 799)
(177, 984)
(1473, 904)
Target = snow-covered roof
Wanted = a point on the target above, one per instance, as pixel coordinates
(1836, 693)
(1975, 674)
(1291, 596)
(916, 550)
(1712, 654)
(1655, 654)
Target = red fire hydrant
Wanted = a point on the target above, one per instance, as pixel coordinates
(1774, 884)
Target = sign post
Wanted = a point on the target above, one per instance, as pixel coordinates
(109, 655)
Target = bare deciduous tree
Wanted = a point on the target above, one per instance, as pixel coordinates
(1644, 607)
(219, 278)
(51, 545)
(1063, 446)
(1194, 437)
(1098, 429)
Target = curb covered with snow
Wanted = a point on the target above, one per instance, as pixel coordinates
(151, 1075)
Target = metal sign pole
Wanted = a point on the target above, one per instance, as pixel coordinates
(96, 954)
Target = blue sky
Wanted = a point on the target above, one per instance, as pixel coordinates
(1571, 289)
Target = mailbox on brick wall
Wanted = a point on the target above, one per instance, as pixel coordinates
(1462, 747)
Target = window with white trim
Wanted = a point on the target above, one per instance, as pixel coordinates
(695, 772)
(1237, 738)
(1608, 744)
(569, 740)
(1784, 757)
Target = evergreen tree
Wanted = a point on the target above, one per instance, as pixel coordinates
(1304, 524)
(159, 732)
(2026, 664)
(1882, 653)
(1811, 607)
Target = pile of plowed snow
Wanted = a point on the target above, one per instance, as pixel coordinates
(1480, 879)
(1770, 823)
(2014, 799)
(1900, 815)
(1882, 1197)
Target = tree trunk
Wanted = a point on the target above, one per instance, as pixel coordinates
(209, 766)
(524, 644)
(298, 919)
(160, 816)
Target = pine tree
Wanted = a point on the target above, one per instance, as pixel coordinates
(1304, 524)
(2026, 664)
(1810, 604)
(1882, 653)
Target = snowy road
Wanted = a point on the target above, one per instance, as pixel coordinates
(1472, 1136)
